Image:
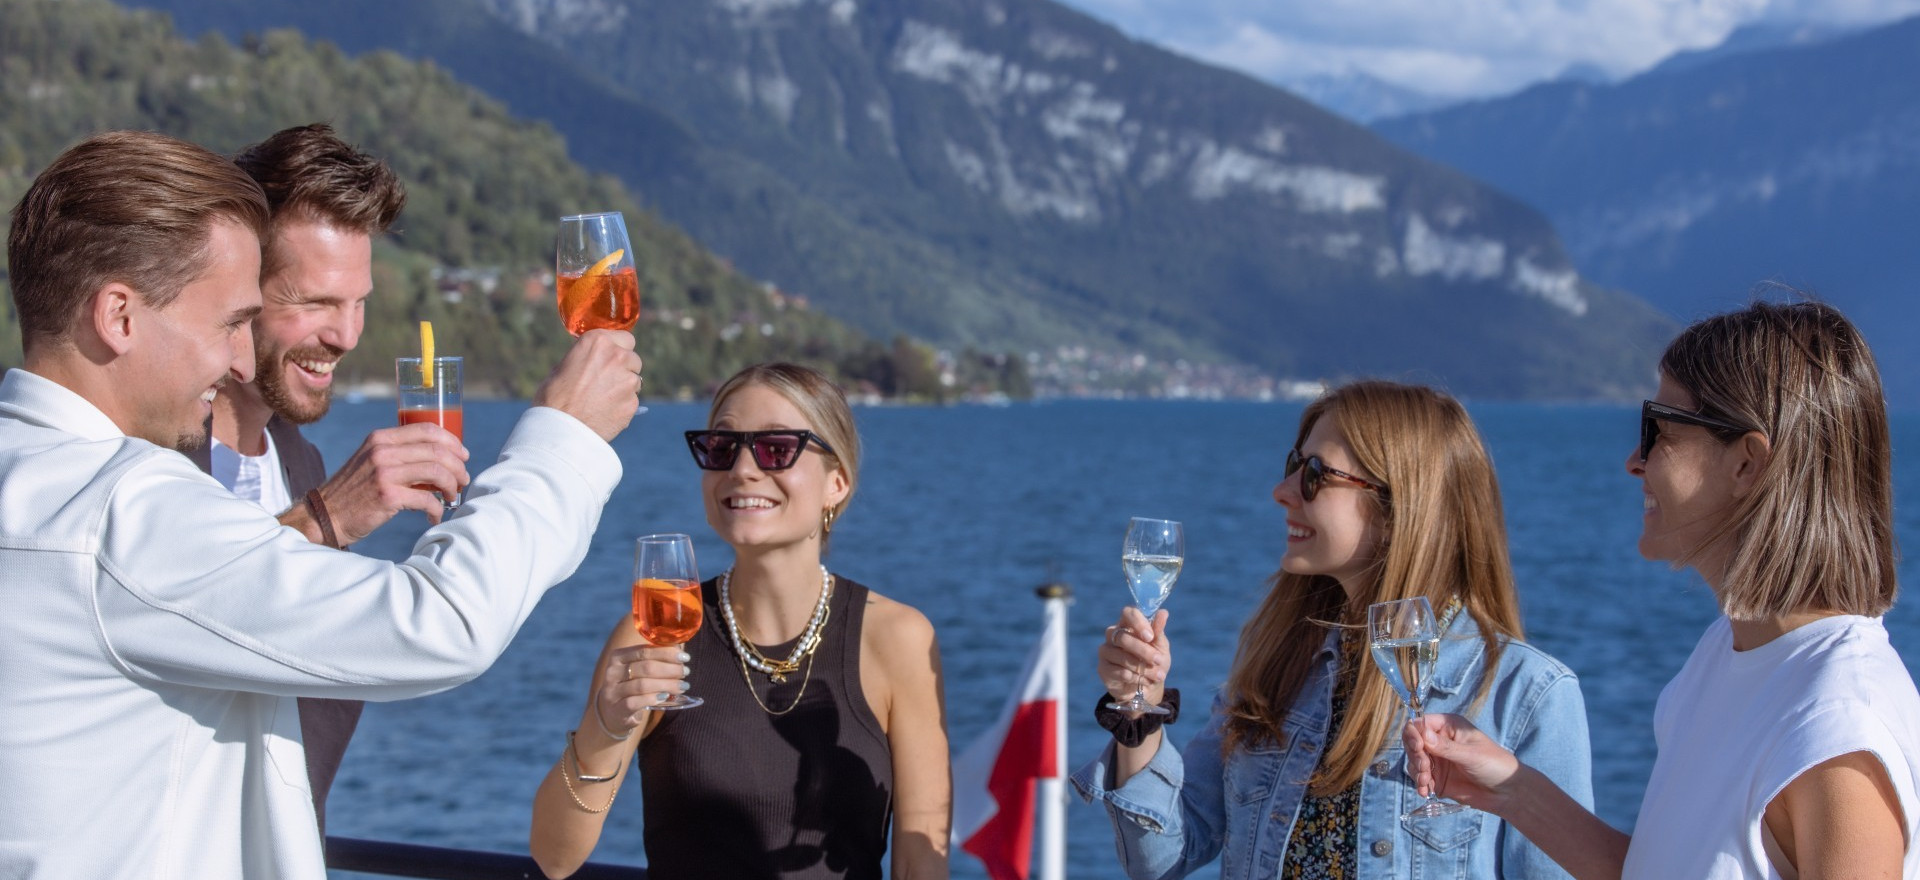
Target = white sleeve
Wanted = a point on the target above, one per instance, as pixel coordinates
(1835, 728)
(201, 588)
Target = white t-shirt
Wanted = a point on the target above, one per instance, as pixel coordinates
(257, 478)
(1734, 727)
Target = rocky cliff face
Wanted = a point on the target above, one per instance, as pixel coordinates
(1013, 174)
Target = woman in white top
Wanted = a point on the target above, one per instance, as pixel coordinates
(1790, 742)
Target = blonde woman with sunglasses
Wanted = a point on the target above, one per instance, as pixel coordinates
(1789, 743)
(1297, 770)
(822, 740)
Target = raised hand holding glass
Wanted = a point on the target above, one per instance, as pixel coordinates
(666, 598)
(1151, 555)
(1406, 641)
(428, 390)
(595, 278)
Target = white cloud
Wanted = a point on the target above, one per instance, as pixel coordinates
(1459, 48)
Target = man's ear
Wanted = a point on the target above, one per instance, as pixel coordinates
(111, 315)
(1750, 455)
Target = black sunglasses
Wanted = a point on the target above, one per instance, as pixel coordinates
(1652, 414)
(772, 450)
(1317, 472)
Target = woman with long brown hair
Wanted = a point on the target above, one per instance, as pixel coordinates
(1789, 743)
(1298, 771)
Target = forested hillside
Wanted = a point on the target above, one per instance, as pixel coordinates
(474, 246)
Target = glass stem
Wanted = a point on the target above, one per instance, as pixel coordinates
(1417, 715)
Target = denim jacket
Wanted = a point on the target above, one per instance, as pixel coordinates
(1184, 809)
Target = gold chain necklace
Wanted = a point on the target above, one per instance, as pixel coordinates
(748, 680)
(778, 670)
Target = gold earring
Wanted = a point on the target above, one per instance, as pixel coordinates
(826, 521)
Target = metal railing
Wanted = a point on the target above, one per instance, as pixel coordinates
(440, 863)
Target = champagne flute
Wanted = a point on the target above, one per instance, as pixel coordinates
(594, 276)
(429, 391)
(1406, 642)
(666, 598)
(1151, 555)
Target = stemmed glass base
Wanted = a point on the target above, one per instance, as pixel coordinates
(1139, 704)
(1434, 807)
(678, 701)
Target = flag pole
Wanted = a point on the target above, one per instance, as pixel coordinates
(1051, 792)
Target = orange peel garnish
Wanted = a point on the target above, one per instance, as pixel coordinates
(426, 353)
(605, 264)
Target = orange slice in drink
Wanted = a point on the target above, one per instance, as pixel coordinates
(605, 264)
(426, 353)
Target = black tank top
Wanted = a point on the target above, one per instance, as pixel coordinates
(732, 791)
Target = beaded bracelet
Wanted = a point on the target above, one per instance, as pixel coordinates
(574, 754)
(573, 757)
(1129, 731)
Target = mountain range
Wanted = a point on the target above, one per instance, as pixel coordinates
(1796, 161)
(1013, 175)
(1362, 97)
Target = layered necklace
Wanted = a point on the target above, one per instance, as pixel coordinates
(778, 670)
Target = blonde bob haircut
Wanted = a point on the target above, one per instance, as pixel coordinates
(1442, 537)
(1816, 534)
(826, 411)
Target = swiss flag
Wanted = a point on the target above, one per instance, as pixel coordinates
(993, 780)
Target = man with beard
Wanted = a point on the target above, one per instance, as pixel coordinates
(327, 202)
(157, 627)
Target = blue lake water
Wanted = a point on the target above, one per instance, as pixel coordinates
(962, 511)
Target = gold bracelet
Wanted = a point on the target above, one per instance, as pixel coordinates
(580, 773)
(573, 757)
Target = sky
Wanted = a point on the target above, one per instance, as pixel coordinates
(1459, 48)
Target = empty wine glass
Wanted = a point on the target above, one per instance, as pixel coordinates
(666, 598)
(1151, 555)
(1406, 642)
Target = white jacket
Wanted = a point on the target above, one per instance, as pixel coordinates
(154, 628)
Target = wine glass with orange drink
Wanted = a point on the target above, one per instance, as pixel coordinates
(666, 598)
(429, 389)
(594, 273)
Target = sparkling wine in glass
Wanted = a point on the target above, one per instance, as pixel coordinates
(594, 273)
(1406, 642)
(666, 598)
(1151, 555)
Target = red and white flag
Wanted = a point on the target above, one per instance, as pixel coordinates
(994, 779)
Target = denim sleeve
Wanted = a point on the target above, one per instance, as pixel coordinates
(1167, 819)
(1551, 739)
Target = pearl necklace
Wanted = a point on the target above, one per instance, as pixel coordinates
(778, 670)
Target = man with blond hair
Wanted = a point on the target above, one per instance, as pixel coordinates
(146, 678)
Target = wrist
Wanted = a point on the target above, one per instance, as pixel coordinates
(316, 507)
(601, 722)
(1523, 792)
(1133, 729)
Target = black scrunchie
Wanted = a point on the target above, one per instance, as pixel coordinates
(1131, 732)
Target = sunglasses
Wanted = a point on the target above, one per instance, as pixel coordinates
(1652, 414)
(1314, 472)
(772, 450)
